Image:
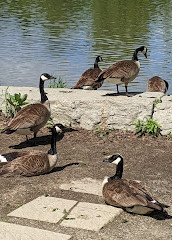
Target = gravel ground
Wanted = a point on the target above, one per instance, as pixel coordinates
(80, 155)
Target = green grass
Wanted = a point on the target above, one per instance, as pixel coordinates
(101, 132)
(149, 126)
(57, 83)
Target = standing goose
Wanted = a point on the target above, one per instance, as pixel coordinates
(122, 72)
(128, 194)
(88, 78)
(32, 117)
(31, 163)
(157, 84)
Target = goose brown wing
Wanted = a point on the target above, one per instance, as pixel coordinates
(128, 193)
(28, 117)
(28, 165)
(13, 155)
(88, 77)
(121, 70)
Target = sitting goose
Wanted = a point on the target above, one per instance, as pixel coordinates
(122, 72)
(157, 84)
(32, 117)
(128, 194)
(31, 163)
(89, 76)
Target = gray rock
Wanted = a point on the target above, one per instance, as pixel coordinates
(89, 109)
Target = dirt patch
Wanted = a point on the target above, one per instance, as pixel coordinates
(80, 155)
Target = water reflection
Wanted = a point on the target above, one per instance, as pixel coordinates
(63, 37)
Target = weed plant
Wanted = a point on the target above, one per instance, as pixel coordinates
(59, 84)
(149, 126)
(13, 103)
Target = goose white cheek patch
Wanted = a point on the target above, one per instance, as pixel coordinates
(117, 161)
(2, 159)
(44, 78)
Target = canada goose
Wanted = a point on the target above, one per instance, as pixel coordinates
(157, 84)
(32, 117)
(122, 72)
(128, 194)
(89, 76)
(31, 163)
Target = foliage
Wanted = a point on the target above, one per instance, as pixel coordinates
(149, 126)
(14, 103)
(101, 132)
(169, 136)
(156, 102)
(66, 213)
(59, 84)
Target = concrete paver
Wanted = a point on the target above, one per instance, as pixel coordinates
(11, 231)
(85, 185)
(90, 216)
(49, 209)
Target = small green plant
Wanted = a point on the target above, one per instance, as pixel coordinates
(169, 136)
(66, 213)
(156, 102)
(124, 220)
(149, 126)
(50, 122)
(55, 209)
(101, 132)
(14, 103)
(59, 84)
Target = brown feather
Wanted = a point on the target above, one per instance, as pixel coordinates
(157, 84)
(88, 78)
(124, 70)
(32, 116)
(31, 164)
(127, 193)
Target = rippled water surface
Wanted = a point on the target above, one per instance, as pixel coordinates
(63, 37)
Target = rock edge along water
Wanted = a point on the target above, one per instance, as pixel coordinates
(89, 109)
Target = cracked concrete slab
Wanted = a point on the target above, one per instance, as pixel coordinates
(48, 209)
(90, 216)
(85, 185)
(11, 231)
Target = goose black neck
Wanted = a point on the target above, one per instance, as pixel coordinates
(41, 85)
(43, 97)
(119, 171)
(135, 58)
(96, 64)
(52, 150)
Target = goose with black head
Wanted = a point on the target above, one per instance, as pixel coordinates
(126, 193)
(87, 79)
(32, 117)
(122, 72)
(31, 163)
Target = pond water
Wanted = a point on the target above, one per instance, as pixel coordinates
(63, 37)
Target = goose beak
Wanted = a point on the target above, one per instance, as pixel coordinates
(106, 160)
(145, 54)
(53, 78)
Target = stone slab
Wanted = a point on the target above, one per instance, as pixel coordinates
(90, 216)
(85, 185)
(163, 114)
(48, 209)
(11, 231)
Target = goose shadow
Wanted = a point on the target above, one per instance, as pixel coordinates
(130, 94)
(42, 140)
(155, 214)
(160, 215)
(61, 168)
